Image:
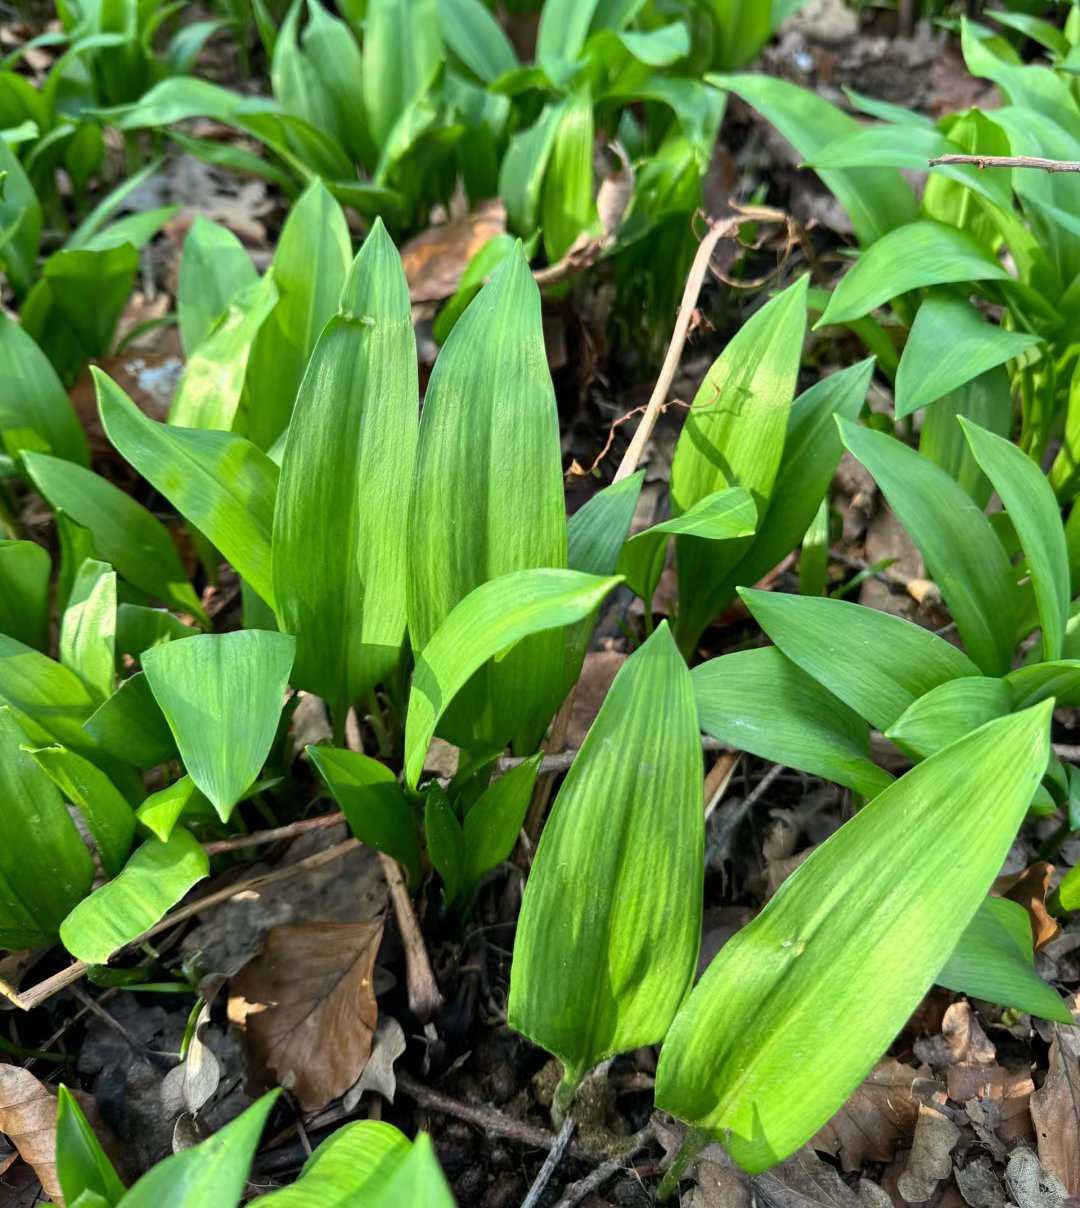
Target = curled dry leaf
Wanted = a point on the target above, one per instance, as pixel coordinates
(930, 1160)
(188, 1086)
(1029, 889)
(378, 1075)
(876, 1121)
(1055, 1110)
(961, 1042)
(436, 258)
(28, 1119)
(309, 1007)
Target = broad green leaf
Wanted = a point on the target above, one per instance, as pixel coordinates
(214, 268)
(417, 1183)
(208, 394)
(44, 866)
(723, 516)
(988, 401)
(222, 694)
(877, 199)
(564, 26)
(948, 712)
(444, 839)
(213, 1172)
(359, 1159)
(52, 702)
(376, 807)
(877, 664)
(154, 879)
(487, 499)
(1033, 509)
(893, 145)
(962, 552)
(35, 411)
(610, 923)
(473, 34)
(911, 257)
(124, 533)
(138, 628)
(161, 811)
(566, 203)
(81, 1163)
(25, 568)
(402, 49)
(88, 629)
(994, 959)
(221, 483)
(596, 532)
(521, 174)
(340, 586)
(1039, 681)
(496, 615)
(494, 821)
(752, 1059)
(130, 726)
(310, 264)
(108, 816)
(734, 436)
(950, 344)
(20, 222)
(760, 701)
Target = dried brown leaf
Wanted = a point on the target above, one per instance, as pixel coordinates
(1055, 1110)
(1029, 889)
(378, 1075)
(803, 1181)
(930, 1159)
(980, 1184)
(435, 259)
(28, 1119)
(315, 1012)
(876, 1121)
(962, 1041)
(1030, 1184)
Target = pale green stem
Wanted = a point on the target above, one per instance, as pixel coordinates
(693, 1143)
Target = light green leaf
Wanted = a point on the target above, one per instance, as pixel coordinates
(212, 1172)
(130, 726)
(139, 628)
(1039, 681)
(124, 533)
(374, 804)
(107, 814)
(402, 50)
(877, 664)
(474, 35)
(962, 552)
(610, 923)
(566, 205)
(494, 821)
(1033, 509)
(760, 701)
(496, 615)
(88, 629)
(564, 26)
(20, 222)
(44, 866)
(81, 1163)
(417, 1183)
(25, 568)
(52, 702)
(596, 532)
(222, 695)
(948, 712)
(489, 435)
(221, 483)
(734, 436)
(358, 1159)
(994, 959)
(161, 811)
(521, 174)
(752, 1060)
(214, 268)
(340, 587)
(911, 257)
(950, 344)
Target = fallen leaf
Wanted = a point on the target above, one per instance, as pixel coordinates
(980, 1184)
(435, 259)
(803, 1181)
(1030, 1184)
(962, 1041)
(930, 1160)
(876, 1121)
(1029, 889)
(378, 1075)
(1055, 1110)
(188, 1086)
(597, 674)
(313, 983)
(616, 190)
(28, 1118)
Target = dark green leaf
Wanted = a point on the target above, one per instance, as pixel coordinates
(35, 412)
(25, 569)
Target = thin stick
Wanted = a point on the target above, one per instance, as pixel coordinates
(551, 1162)
(424, 996)
(261, 838)
(1009, 161)
(595, 1179)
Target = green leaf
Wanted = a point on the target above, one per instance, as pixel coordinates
(52, 702)
(723, 516)
(988, 401)
(566, 204)
(81, 1163)
(521, 174)
(596, 532)
(610, 923)
(877, 664)
(310, 265)
(417, 1183)
(221, 483)
(1033, 509)
(106, 812)
(25, 569)
(154, 879)
(208, 394)
(359, 1159)
(950, 344)
(130, 726)
(375, 806)
(212, 1172)
(222, 695)
(161, 811)
(962, 552)
(340, 587)
(487, 499)
(88, 629)
(124, 533)
(494, 821)
(20, 222)
(473, 34)
(752, 1059)
(139, 628)
(496, 615)
(760, 701)
(402, 50)
(948, 712)
(994, 960)
(444, 838)
(564, 26)
(214, 268)
(911, 257)
(35, 411)
(1039, 681)
(44, 866)
(734, 436)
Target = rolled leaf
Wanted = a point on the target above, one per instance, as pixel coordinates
(161, 811)
(566, 205)
(88, 629)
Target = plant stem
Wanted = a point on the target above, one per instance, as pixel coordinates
(693, 1143)
(382, 735)
(564, 1096)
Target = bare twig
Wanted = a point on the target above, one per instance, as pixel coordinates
(1009, 161)
(595, 1179)
(262, 838)
(424, 996)
(551, 1163)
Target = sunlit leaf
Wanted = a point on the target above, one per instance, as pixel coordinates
(948, 712)
(214, 268)
(88, 629)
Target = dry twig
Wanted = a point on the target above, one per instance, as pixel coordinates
(1008, 161)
